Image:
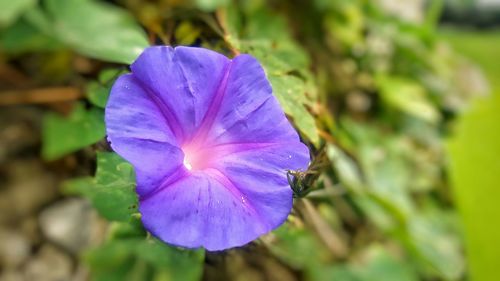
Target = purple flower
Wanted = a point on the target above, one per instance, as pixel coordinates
(210, 145)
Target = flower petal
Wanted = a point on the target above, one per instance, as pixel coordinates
(265, 124)
(249, 112)
(143, 120)
(185, 80)
(140, 132)
(259, 173)
(210, 145)
(201, 211)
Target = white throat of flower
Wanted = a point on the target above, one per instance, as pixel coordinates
(187, 164)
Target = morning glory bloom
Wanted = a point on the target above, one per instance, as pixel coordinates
(210, 145)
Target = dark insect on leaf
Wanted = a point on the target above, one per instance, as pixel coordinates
(297, 181)
(303, 182)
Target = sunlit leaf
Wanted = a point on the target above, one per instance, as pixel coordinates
(11, 10)
(407, 96)
(475, 167)
(210, 5)
(97, 29)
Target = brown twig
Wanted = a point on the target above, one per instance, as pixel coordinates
(12, 75)
(222, 30)
(37, 96)
(329, 237)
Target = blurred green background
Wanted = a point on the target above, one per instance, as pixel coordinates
(477, 141)
(399, 102)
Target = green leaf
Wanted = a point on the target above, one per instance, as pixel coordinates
(97, 29)
(112, 190)
(186, 33)
(347, 170)
(111, 254)
(98, 91)
(435, 242)
(115, 261)
(381, 266)
(384, 169)
(181, 264)
(63, 135)
(378, 212)
(321, 272)
(407, 96)
(290, 92)
(11, 10)
(297, 246)
(387, 179)
(144, 259)
(230, 21)
(33, 32)
(23, 37)
(376, 264)
(387, 202)
(475, 168)
(266, 36)
(210, 5)
(39, 18)
(350, 175)
(127, 229)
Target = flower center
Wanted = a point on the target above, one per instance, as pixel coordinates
(195, 158)
(187, 164)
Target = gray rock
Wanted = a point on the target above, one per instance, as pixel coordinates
(68, 223)
(14, 248)
(11, 275)
(50, 264)
(29, 188)
(81, 273)
(29, 227)
(19, 131)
